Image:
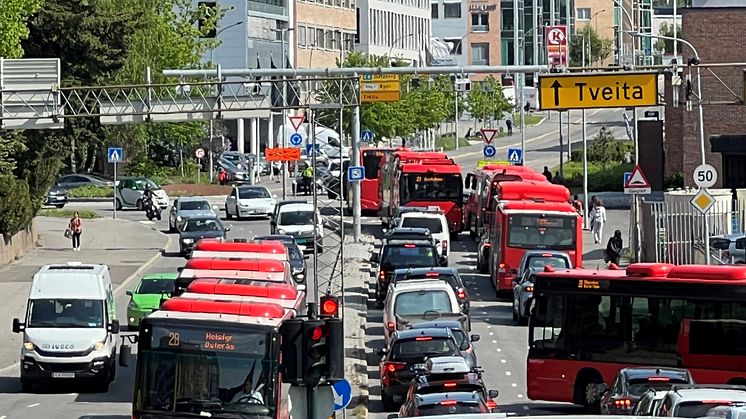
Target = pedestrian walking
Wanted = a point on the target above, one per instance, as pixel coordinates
(558, 179)
(614, 248)
(509, 126)
(75, 228)
(547, 174)
(598, 218)
(577, 204)
(468, 134)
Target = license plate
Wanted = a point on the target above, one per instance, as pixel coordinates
(418, 367)
(63, 375)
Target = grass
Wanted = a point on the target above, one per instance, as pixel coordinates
(448, 143)
(91, 192)
(531, 119)
(67, 213)
(600, 178)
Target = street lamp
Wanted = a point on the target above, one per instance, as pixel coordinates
(590, 56)
(632, 26)
(393, 44)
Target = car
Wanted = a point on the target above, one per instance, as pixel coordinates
(129, 193)
(435, 221)
(732, 246)
(447, 274)
(412, 302)
(398, 254)
(695, 401)
(297, 258)
(197, 228)
(402, 233)
(406, 355)
(76, 180)
(523, 293)
(631, 383)
(276, 211)
(443, 374)
(302, 221)
(463, 340)
(403, 210)
(538, 259)
(56, 197)
(235, 173)
(447, 403)
(728, 412)
(249, 201)
(188, 207)
(649, 403)
(147, 296)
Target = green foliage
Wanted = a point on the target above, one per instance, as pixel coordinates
(15, 205)
(91, 192)
(13, 17)
(486, 100)
(600, 178)
(666, 45)
(600, 48)
(448, 143)
(605, 150)
(674, 181)
(68, 213)
(11, 144)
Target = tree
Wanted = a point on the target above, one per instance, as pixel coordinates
(14, 15)
(486, 100)
(600, 48)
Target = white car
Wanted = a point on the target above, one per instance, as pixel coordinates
(416, 301)
(301, 221)
(696, 401)
(249, 201)
(435, 221)
(129, 193)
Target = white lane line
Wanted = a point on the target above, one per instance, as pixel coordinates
(499, 350)
(489, 326)
(147, 222)
(33, 404)
(513, 384)
(492, 333)
(508, 373)
(494, 341)
(504, 361)
(3, 417)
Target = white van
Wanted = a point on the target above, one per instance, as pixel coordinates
(70, 326)
(300, 221)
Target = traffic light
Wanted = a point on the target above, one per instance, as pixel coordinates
(292, 347)
(336, 344)
(316, 354)
(329, 306)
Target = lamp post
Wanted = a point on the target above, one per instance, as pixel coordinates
(590, 55)
(632, 26)
(284, 32)
(396, 41)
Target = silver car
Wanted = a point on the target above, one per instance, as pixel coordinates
(249, 201)
(188, 207)
(523, 285)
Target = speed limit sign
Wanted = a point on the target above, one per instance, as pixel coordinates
(705, 176)
(199, 153)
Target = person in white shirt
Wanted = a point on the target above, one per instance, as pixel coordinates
(598, 218)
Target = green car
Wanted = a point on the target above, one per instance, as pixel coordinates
(147, 296)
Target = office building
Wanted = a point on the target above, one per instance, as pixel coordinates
(399, 28)
(325, 30)
(484, 34)
(599, 15)
(449, 26)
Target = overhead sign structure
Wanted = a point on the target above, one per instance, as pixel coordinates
(515, 155)
(488, 134)
(597, 90)
(703, 201)
(355, 173)
(296, 139)
(380, 88)
(282, 154)
(295, 121)
(705, 176)
(366, 136)
(199, 153)
(557, 48)
(114, 154)
(342, 392)
(489, 151)
(637, 184)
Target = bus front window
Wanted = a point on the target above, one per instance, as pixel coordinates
(431, 187)
(529, 231)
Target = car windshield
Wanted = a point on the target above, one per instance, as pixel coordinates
(449, 278)
(409, 256)
(436, 346)
(252, 193)
(66, 313)
(697, 409)
(638, 386)
(435, 225)
(542, 232)
(155, 286)
(418, 302)
(197, 224)
(446, 408)
(539, 262)
(294, 252)
(296, 218)
(194, 205)
(141, 183)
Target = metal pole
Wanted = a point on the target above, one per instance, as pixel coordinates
(199, 169)
(456, 117)
(115, 189)
(284, 117)
(562, 147)
(551, 12)
(535, 37)
(523, 117)
(569, 140)
(212, 147)
(516, 19)
(620, 31)
(315, 204)
(585, 170)
(702, 150)
(356, 208)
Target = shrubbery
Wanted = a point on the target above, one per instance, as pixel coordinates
(91, 192)
(607, 162)
(16, 208)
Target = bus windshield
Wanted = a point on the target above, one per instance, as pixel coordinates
(431, 187)
(207, 368)
(371, 161)
(532, 231)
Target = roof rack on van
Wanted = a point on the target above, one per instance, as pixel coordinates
(71, 265)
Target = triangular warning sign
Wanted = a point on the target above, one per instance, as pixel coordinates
(637, 179)
(296, 121)
(488, 134)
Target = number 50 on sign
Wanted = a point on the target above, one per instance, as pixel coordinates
(705, 176)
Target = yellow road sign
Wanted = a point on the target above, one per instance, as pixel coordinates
(482, 163)
(379, 77)
(386, 86)
(597, 90)
(703, 201)
(379, 96)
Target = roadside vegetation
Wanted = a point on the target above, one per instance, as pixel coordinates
(67, 213)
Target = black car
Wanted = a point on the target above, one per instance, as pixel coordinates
(449, 275)
(398, 254)
(276, 212)
(631, 383)
(199, 228)
(297, 259)
(406, 355)
(442, 383)
(463, 340)
(403, 233)
(56, 197)
(449, 403)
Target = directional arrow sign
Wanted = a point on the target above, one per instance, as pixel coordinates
(597, 90)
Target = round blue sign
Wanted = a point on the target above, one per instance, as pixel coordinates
(296, 139)
(489, 151)
(342, 392)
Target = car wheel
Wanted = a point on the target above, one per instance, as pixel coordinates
(388, 403)
(118, 204)
(228, 215)
(113, 368)
(586, 390)
(515, 313)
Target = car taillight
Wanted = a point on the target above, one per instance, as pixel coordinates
(381, 275)
(461, 293)
(421, 338)
(491, 404)
(449, 385)
(449, 402)
(529, 288)
(389, 367)
(659, 379)
(623, 403)
(391, 326)
(502, 268)
(444, 243)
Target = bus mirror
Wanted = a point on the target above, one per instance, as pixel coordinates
(18, 326)
(114, 327)
(125, 353)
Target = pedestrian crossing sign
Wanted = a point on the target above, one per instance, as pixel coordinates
(515, 155)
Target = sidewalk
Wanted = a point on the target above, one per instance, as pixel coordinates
(127, 247)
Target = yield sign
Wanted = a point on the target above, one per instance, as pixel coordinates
(488, 134)
(296, 121)
(637, 183)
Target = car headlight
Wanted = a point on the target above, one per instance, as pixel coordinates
(98, 346)
(29, 346)
(187, 241)
(281, 231)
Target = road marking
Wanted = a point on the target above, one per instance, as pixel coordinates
(494, 341)
(499, 350)
(503, 361)
(489, 326)
(513, 385)
(141, 269)
(508, 373)
(492, 333)
(146, 222)
(33, 404)
(8, 368)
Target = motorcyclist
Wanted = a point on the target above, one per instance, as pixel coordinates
(147, 196)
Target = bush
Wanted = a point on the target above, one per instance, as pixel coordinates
(167, 175)
(448, 144)
(605, 150)
(16, 208)
(600, 178)
(68, 213)
(674, 181)
(91, 192)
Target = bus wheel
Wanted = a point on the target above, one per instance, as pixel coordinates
(586, 390)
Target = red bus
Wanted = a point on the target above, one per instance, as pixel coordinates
(198, 355)
(520, 225)
(585, 325)
(386, 177)
(372, 159)
(254, 249)
(267, 270)
(482, 185)
(250, 291)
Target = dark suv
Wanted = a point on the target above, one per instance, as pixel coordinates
(398, 254)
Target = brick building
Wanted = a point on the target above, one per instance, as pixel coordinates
(325, 31)
(717, 34)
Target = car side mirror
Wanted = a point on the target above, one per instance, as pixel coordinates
(113, 327)
(464, 346)
(475, 338)
(18, 326)
(128, 292)
(602, 388)
(493, 394)
(227, 229)
(306, 256)
(382, 352)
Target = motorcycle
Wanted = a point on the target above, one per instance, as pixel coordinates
(152, 210)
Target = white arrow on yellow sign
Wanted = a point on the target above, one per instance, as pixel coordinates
(597, 90)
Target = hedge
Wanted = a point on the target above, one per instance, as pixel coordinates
(16, 206)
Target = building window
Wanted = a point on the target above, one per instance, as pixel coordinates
(452, 10)
(311, 37)
(330, 41)
(583, 13)
(480, 54)
(320, 38)
(302, 41)
(506, 23)
(480, 22)
(434, 10)
(456, 45)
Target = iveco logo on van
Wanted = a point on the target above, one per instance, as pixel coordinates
(58, 346)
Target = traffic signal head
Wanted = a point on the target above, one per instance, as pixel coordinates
(329, 306)
(316, 354)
